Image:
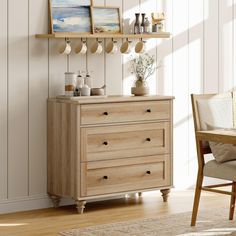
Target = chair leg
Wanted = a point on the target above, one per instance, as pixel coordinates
(232, 202)
(197, 198)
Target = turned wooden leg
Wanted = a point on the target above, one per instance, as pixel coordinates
(232, 202)
(140, 194)
(80, 205)
(165, 194)
(55, 200)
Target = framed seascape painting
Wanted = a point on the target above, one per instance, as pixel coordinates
(72, 16)
(106, 20)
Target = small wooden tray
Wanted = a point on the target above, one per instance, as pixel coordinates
(79, 97)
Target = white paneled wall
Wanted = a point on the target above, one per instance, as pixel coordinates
(200, 57)
(195, 73)
(113, 77)
(38, 93)
(226, 44)
(180, 88)
(18, 99)
(129, 9)
(148, 7)
(3, 102)
(211, 46)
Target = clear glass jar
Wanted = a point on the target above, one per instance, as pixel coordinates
(70, 83)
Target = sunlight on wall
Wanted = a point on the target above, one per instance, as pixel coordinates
(226, 55)
(148, 7)
(229, 3)
(180, 85)
(206, 7)
(164, 52)
(196, 13)
(130, 8)
(195, 74)
(128, 79)
(151, 50)
(195, 64)
(226, 45)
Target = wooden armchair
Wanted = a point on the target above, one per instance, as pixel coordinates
(225, 170)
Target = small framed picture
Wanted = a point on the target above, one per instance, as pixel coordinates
(106, 20)
(70, 16)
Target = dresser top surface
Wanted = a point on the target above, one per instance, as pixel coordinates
(108, 99)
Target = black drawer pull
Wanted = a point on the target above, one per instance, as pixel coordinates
(105, 177)
(105, 143)
(105, 113)
(149, 110)
(148, 172)
(148, 139)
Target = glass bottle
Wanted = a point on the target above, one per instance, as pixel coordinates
(147, 25)
(79, 84)
(142, 24)
(70, 83)
(88, 80)
(137, 24)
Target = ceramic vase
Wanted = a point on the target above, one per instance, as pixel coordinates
(140, 87)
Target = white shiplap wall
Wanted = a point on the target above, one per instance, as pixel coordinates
(199, 58)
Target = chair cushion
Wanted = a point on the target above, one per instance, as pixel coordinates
(226, 170)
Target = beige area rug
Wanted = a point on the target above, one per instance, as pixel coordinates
(214, 222)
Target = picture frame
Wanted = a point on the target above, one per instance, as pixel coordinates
(106, 20)
(70, 16)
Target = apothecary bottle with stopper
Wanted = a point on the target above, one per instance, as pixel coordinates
(142, 24)
(147, 26)
(88, 80)
(79, 83)
(137, 24)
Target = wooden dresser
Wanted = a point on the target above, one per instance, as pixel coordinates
(109, 146)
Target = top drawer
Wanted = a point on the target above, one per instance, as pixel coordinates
(123, 112)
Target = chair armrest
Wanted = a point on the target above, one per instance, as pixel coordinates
(219, 135)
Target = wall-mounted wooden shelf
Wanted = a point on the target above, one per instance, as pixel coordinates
(104, 36)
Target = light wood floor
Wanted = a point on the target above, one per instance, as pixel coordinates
(51, 221)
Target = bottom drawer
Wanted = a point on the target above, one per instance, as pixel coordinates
(121, 175)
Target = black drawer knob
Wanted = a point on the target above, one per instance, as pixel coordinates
(105, 113)
(148, 172)
(148, 139)
(105, 143)
(105, 177)
(149, 110)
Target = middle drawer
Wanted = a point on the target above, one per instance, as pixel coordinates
(112, 142)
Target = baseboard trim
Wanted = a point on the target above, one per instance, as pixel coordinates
(37, 202)
(42, 201)
(28, 203)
